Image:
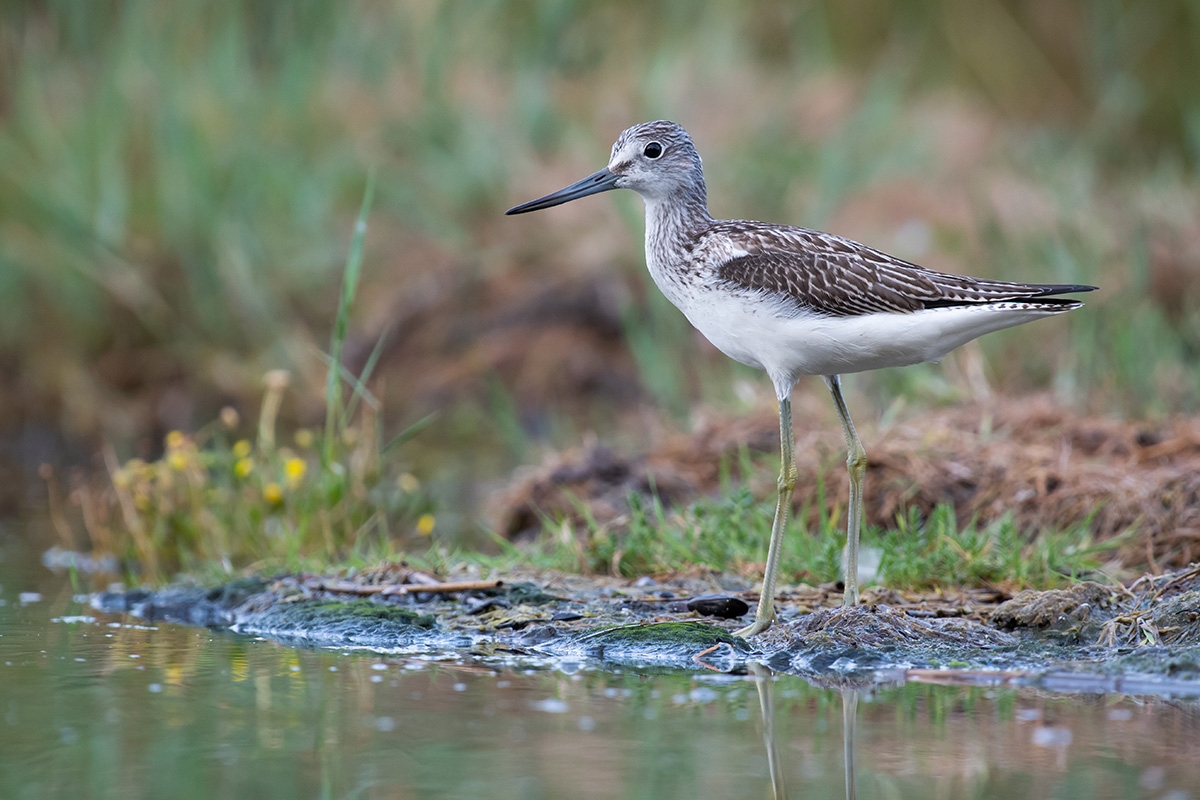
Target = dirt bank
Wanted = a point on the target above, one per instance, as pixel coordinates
(1049, 467)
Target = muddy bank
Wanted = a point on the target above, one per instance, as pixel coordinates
(1149, 631)
(1049, 467)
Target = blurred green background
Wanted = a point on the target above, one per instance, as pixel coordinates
(178, 183)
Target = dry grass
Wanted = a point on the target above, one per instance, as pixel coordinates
(1049, 468)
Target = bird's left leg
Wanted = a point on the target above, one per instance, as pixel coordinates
(856, 461)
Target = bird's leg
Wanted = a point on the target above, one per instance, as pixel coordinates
(856, 461)
(787, 483)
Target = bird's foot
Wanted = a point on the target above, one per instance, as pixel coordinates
(758, 626)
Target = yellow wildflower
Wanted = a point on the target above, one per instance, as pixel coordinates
(293, 470)
(175, 440)
(177, 460)
(272, 493)
(243, 467)
(408, 482)
(242, 448)
(425, 524)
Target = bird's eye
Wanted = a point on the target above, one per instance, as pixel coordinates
(653, 150)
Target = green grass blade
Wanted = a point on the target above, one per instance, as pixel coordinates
(360, 382)
(408, 433)
(334, 413)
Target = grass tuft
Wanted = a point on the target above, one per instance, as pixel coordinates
(216, 499)
(732, 533)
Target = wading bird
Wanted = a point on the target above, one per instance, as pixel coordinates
(795, 302)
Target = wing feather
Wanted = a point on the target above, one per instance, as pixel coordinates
(835, 276)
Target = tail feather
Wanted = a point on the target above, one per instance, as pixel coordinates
(1049, 289)
(1036, 294)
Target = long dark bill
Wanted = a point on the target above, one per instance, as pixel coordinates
(595, 183)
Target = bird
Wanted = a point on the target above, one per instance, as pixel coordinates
(795, 302)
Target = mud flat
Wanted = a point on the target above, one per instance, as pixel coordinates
(1089, 637)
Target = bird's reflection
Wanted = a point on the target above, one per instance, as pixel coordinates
(764, 682)
(849, 738)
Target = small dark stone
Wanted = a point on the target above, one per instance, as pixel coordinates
(639, 607)
(714, 605)
(513, 624)
(566, 616)
(536, 635)
(526, 594)
(478, 605)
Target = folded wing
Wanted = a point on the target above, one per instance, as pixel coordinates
(833, 276)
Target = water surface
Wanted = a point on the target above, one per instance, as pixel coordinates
(96, 706)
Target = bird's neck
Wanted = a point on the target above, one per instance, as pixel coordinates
(673, 220)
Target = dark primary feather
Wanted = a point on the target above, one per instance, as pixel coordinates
(836, 276)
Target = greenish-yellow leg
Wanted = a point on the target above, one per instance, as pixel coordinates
(856, 461)
(787, 483)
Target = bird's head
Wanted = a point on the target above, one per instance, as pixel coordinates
(655, 159)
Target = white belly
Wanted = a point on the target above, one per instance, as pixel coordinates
(769, 335)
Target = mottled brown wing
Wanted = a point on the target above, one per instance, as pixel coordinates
(838, 277)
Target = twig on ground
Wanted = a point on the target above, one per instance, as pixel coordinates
(388, 590)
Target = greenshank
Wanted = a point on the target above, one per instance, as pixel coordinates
(794, 302)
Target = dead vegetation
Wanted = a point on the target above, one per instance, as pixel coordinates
(1047, 466)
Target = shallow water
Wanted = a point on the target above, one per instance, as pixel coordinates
(94, 706)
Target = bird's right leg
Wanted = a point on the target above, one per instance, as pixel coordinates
(783, 504)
